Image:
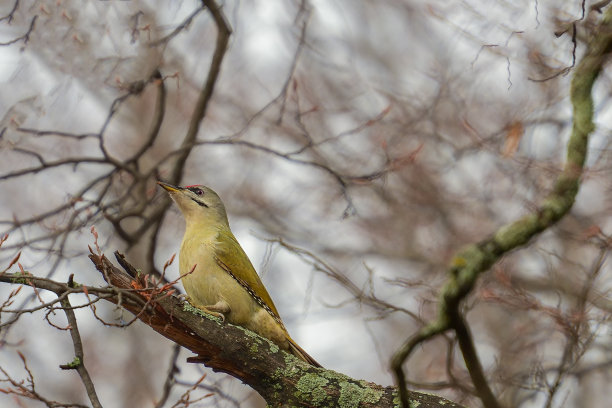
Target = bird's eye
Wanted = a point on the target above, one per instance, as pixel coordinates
(198, 191)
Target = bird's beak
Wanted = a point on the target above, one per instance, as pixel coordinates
(170, 187)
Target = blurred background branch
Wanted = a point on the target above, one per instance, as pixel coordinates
(358, 146)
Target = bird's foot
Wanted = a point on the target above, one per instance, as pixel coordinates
(218, 309)
(210, 312)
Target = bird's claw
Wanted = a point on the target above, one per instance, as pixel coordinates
(216, 314)
(217, 310)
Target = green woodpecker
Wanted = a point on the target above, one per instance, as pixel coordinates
(217, 274)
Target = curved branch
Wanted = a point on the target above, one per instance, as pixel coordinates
(223, 34)
(470, 263)
(158, 116)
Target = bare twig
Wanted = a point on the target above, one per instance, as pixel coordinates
(78, 363)
(170, 377)
(9, 17)
(223, 34)
(183, 26)
(26, 36)
(27, 388)
(360, 295)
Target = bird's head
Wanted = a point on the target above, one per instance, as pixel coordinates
(198, 204)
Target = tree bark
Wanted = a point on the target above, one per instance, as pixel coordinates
(280, 378)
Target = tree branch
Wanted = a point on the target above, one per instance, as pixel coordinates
(277, 376)
(223, 34)
(24, 37)
(470, 263)
(78, 363)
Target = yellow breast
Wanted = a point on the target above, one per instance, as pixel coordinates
(206, 283)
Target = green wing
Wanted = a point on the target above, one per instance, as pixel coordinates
(231, 257)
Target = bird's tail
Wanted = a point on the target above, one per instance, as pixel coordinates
(300, 353)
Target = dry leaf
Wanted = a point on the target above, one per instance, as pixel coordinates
(514, 133)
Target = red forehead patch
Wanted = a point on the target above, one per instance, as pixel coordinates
(195, 185)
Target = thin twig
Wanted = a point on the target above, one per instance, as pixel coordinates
(223, 34)
(170, 377)
(25, 37)
(79, 356)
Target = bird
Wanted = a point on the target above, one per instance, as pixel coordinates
(216, 273)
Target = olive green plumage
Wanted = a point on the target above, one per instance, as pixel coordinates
(217, 274)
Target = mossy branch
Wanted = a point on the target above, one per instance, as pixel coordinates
(472, 261)
(280, 378)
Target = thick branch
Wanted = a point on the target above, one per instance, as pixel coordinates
(279, 377)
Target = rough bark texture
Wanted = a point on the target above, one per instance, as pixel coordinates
(280, 378)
